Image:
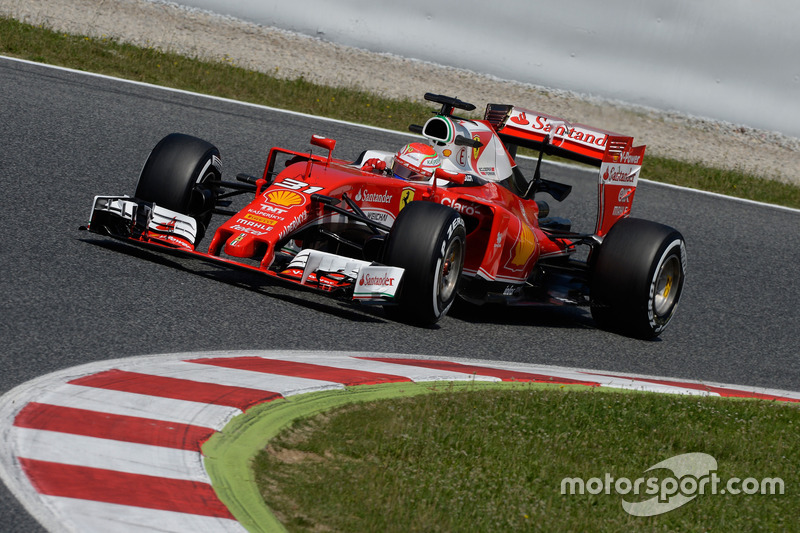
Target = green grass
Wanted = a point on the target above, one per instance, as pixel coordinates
(728, 182)
(493, 460)
(221, 78)
(107, 56)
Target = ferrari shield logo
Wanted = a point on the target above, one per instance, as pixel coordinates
(476, 151)
(406, 197)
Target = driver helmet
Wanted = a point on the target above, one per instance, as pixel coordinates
(415, 161)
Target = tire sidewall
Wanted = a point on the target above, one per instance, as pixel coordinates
(177, 165)
(453, 235)
(625, 275)
(419, 241)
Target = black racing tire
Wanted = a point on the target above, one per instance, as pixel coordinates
(637, 278)
(175, 174)
(428, 240)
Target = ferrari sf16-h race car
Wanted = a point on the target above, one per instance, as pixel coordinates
(449, 217)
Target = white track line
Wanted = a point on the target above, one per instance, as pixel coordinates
(108, 454)
(141, 405)
(87, 516)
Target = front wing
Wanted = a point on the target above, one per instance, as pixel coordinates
(146, 223)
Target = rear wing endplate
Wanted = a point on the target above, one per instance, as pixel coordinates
(617, 180)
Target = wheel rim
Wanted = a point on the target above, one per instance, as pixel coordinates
(667, 286)
(451, 270)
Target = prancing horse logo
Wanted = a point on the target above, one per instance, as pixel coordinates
(406, 197)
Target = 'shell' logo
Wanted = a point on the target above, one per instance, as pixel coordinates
(285, 198)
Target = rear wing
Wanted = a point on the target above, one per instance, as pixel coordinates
(552, 135)
(619, 161)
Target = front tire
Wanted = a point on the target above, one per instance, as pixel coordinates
(637, 278)
(176, 176)
(428, 240)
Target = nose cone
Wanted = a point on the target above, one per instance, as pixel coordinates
(241, 245)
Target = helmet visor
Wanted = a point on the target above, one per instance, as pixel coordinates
(401, 171)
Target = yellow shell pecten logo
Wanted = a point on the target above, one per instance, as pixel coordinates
(285, 198)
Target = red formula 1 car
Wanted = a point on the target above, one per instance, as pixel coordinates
(413, 230)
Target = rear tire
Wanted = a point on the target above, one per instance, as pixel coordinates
(429, 241)
(175, 174)
(637, 278)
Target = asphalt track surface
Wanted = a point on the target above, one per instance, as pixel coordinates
(70, 297)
